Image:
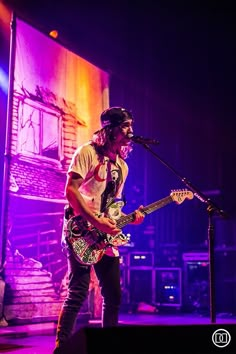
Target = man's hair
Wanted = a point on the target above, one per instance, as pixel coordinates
(104, 138)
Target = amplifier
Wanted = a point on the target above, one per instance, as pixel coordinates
(140, 259)
(195, 282)
(168, 290)
(169, 255)
(195, 256)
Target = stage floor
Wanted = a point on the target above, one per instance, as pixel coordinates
(39, 338)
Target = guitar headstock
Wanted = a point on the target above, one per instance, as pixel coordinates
(180, 195)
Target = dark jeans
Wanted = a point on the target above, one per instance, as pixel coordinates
(108, 274)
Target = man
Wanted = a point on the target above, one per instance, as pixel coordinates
(96, 178)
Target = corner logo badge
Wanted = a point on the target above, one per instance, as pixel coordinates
(221, 338)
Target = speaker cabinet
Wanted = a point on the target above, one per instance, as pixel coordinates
(196, 281)
(141, 284)
(225, 281)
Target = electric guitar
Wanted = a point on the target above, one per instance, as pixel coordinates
(89, 244)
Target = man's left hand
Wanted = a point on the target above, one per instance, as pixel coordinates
(138, 216)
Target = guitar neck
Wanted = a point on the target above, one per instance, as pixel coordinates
(127, 219)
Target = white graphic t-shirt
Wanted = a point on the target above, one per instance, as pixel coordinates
(103, 180)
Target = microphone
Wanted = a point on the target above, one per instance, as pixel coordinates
(141, 140)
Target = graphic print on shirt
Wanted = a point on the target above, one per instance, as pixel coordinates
(96, 173)
(114, 179)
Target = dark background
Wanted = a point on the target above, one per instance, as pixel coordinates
(173, 64)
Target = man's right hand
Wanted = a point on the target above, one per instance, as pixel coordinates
(107, 225)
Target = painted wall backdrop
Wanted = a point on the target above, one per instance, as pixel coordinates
(55, 105)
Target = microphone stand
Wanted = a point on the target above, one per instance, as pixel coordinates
(212, 209)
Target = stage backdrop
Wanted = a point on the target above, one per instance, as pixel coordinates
(56, 98)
